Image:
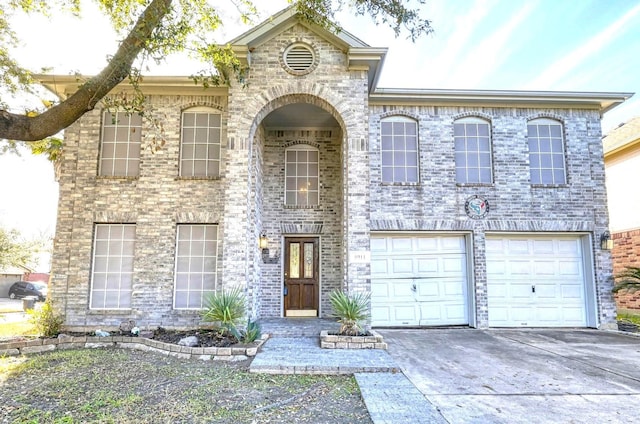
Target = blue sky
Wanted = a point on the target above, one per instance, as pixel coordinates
(558, 45)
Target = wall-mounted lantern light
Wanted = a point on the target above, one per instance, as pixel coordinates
(264, 241)
(606, 242)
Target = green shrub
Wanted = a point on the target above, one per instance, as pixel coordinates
(629, 279)
(45, 320)
(227, 309)
(252, 332)
(350, 310)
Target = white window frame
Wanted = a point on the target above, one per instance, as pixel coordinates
(300, 181)
(468, 149)
(112, 269)
(121, 140)
(543, 144)
(196, 265)
(397, 161)
(207, 150)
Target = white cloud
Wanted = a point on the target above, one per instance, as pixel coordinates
(486, 55)
(574, 59)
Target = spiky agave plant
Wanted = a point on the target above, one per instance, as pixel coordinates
(350, 310)
(227, 308)
(629, 279)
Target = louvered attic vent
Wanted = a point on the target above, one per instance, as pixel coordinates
(299, 58)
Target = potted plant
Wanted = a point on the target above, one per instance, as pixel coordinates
(351, 310)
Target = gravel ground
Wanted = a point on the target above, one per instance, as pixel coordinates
(126, 386)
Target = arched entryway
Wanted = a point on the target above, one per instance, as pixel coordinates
(297, 193)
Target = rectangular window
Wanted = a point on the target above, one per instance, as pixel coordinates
(546, 152)
(120, 148)
(302, 181)
(196, 264)
(112, 270)
(200, 144)
(472, 141)
(399, 151)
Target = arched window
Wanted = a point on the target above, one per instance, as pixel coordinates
(200, 143)
(302, 176)
(546, 151)
(472, 138)
(120, 146)
(399, 150)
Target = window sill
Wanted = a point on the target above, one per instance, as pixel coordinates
(116, 177)
(399, 184)
(180, 178)
(124, 311)
(475, 185)
(549, 185)
(312, 207)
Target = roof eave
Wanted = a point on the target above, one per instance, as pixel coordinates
(603, 101)
(65, 85)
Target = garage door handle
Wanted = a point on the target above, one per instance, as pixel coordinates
(533, 289)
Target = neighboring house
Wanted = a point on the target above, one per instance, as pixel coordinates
(452, 207)
(622, 167)
(10, 275)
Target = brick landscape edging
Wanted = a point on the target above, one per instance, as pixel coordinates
(24, 347)
(334, 341)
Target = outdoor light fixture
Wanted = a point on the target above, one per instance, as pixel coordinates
(606, 242)
(264, 241)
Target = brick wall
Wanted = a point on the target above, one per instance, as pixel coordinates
(437, 203)
(626, 252)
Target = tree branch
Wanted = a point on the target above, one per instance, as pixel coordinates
(33, 128)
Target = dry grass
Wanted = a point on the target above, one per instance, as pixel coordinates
(122, 386)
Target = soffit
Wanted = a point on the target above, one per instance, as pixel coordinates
(602, 101)
(65, 85)
(298, 115)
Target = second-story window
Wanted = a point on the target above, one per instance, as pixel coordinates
(546, 151)
(302, 176)
(200, 143)
(399, 150)
(120, 147)
(472, 138)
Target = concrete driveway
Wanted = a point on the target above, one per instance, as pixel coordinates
(523, 376)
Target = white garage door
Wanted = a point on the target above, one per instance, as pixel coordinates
(535, 281)
(418, 280)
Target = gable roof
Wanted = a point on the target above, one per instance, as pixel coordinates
(360, 55)
(624, 136)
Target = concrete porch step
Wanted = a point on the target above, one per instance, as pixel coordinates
(297, 327)
(303, 355)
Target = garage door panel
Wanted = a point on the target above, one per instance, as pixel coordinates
(519, 290)
(453, 265)
(545, 268)
(426, 265)
(404, 313)
(569, 246)
(570, 268)
(425, 279)
(518, 267)
(554, 265)
(378, 245)
(427, 289)
(542, 247)
(402, 266)
(404, 244)
(571, 292)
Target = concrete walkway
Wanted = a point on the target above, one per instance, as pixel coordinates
(389, 396)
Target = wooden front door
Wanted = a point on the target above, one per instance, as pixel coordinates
(301, 276)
